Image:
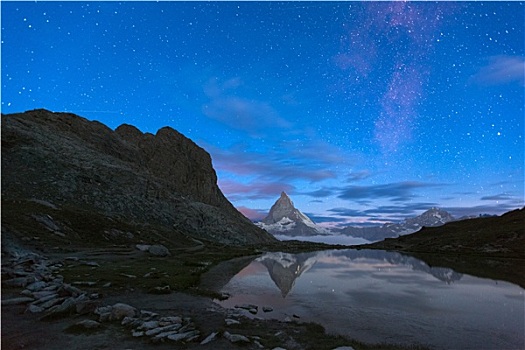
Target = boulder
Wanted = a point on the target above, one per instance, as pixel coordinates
(121, 310)
(159, 250)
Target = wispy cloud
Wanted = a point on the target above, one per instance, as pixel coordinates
(320, 193)
(256, 118)
(273, 165)
(399, 191)
(392, 213)
(501, 70)
(498, 197)
(253, 190)
(358, 175)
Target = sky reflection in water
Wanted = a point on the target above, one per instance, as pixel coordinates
(377, 296)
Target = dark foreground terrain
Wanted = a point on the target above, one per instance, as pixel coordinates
(116, 296)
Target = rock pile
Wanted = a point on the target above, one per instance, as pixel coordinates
(44, 289)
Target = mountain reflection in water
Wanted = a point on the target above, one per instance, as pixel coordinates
(378, 296)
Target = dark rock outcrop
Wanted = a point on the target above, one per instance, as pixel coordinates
(163, 179)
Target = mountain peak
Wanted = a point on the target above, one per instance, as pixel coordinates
(284, 218)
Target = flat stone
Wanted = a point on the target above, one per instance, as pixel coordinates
(102, 310)
(170, 319)
(137, 334)
(145, 313)
(163, 335)
(27, 293)
(235, 338)
(230, 321)
(170, 328)
(51, 302)
(183, 336)
(142, 247)
(267, 309)
(44, 294)
(130, 321)
(16, 301)
(149, 325)
(209, 338)
(36, 286)
(34, 309)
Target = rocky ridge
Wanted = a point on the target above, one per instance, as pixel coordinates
(64, 160)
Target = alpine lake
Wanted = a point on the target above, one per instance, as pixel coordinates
(376, 296)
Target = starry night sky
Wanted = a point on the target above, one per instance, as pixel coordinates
(361, 112)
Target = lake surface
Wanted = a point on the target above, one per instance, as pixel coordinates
(377, 296)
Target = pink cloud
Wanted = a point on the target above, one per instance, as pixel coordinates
(254, 190)
(252, 214)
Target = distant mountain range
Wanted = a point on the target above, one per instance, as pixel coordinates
(285, 219)
(430, 218)
(494, 236)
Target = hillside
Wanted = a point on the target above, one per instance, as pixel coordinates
(79, 181)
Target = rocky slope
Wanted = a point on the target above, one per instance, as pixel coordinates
(59, 162)
(430, 218)
(285, 219)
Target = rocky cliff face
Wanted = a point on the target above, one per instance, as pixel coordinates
(163, 179)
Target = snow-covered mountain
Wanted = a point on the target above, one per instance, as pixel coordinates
(430, 218)
(285, 219)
